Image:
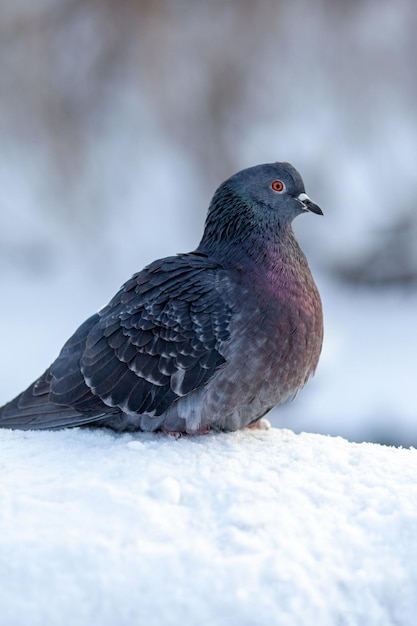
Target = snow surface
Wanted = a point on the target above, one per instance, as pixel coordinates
(248, 528)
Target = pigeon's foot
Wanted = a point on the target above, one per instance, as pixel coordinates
(172, 433)
(176, 435)
(260, 424)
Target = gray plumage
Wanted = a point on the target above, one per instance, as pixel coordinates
(212, 339)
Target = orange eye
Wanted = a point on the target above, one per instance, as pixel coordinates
(277, 185)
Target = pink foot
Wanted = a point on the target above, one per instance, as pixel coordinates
(176, 435)
(173, 433)
(260, 424)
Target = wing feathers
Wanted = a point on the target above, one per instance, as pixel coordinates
(158, 339)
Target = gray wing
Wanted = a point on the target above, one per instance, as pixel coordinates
(157, 340)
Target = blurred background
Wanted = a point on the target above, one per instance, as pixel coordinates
(119, 119)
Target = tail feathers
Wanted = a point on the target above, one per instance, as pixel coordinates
(33, 410)
(40, 406)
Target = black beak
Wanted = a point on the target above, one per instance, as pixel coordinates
(308, 204)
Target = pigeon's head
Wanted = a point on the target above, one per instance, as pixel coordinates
(260, 200)
(277, 187)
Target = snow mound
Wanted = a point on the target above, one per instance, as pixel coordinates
(248, 528)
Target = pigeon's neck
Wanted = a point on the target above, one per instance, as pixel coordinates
(238, 241)
(273, 254)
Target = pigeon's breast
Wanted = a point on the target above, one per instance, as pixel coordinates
(287, 330)
(294, 312)
(276, 337)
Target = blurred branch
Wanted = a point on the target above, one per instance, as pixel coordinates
(391, 260)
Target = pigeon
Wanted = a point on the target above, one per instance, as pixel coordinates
(209, 340)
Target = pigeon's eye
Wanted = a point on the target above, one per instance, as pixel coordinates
(277, 185)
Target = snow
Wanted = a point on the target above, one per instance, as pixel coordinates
(240, 529)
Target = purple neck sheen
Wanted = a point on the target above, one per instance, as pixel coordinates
(271, 253)
(252, 239)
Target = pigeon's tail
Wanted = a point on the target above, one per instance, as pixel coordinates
(43, 406)
(33, 410)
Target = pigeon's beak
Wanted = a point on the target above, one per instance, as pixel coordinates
(308, 204)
